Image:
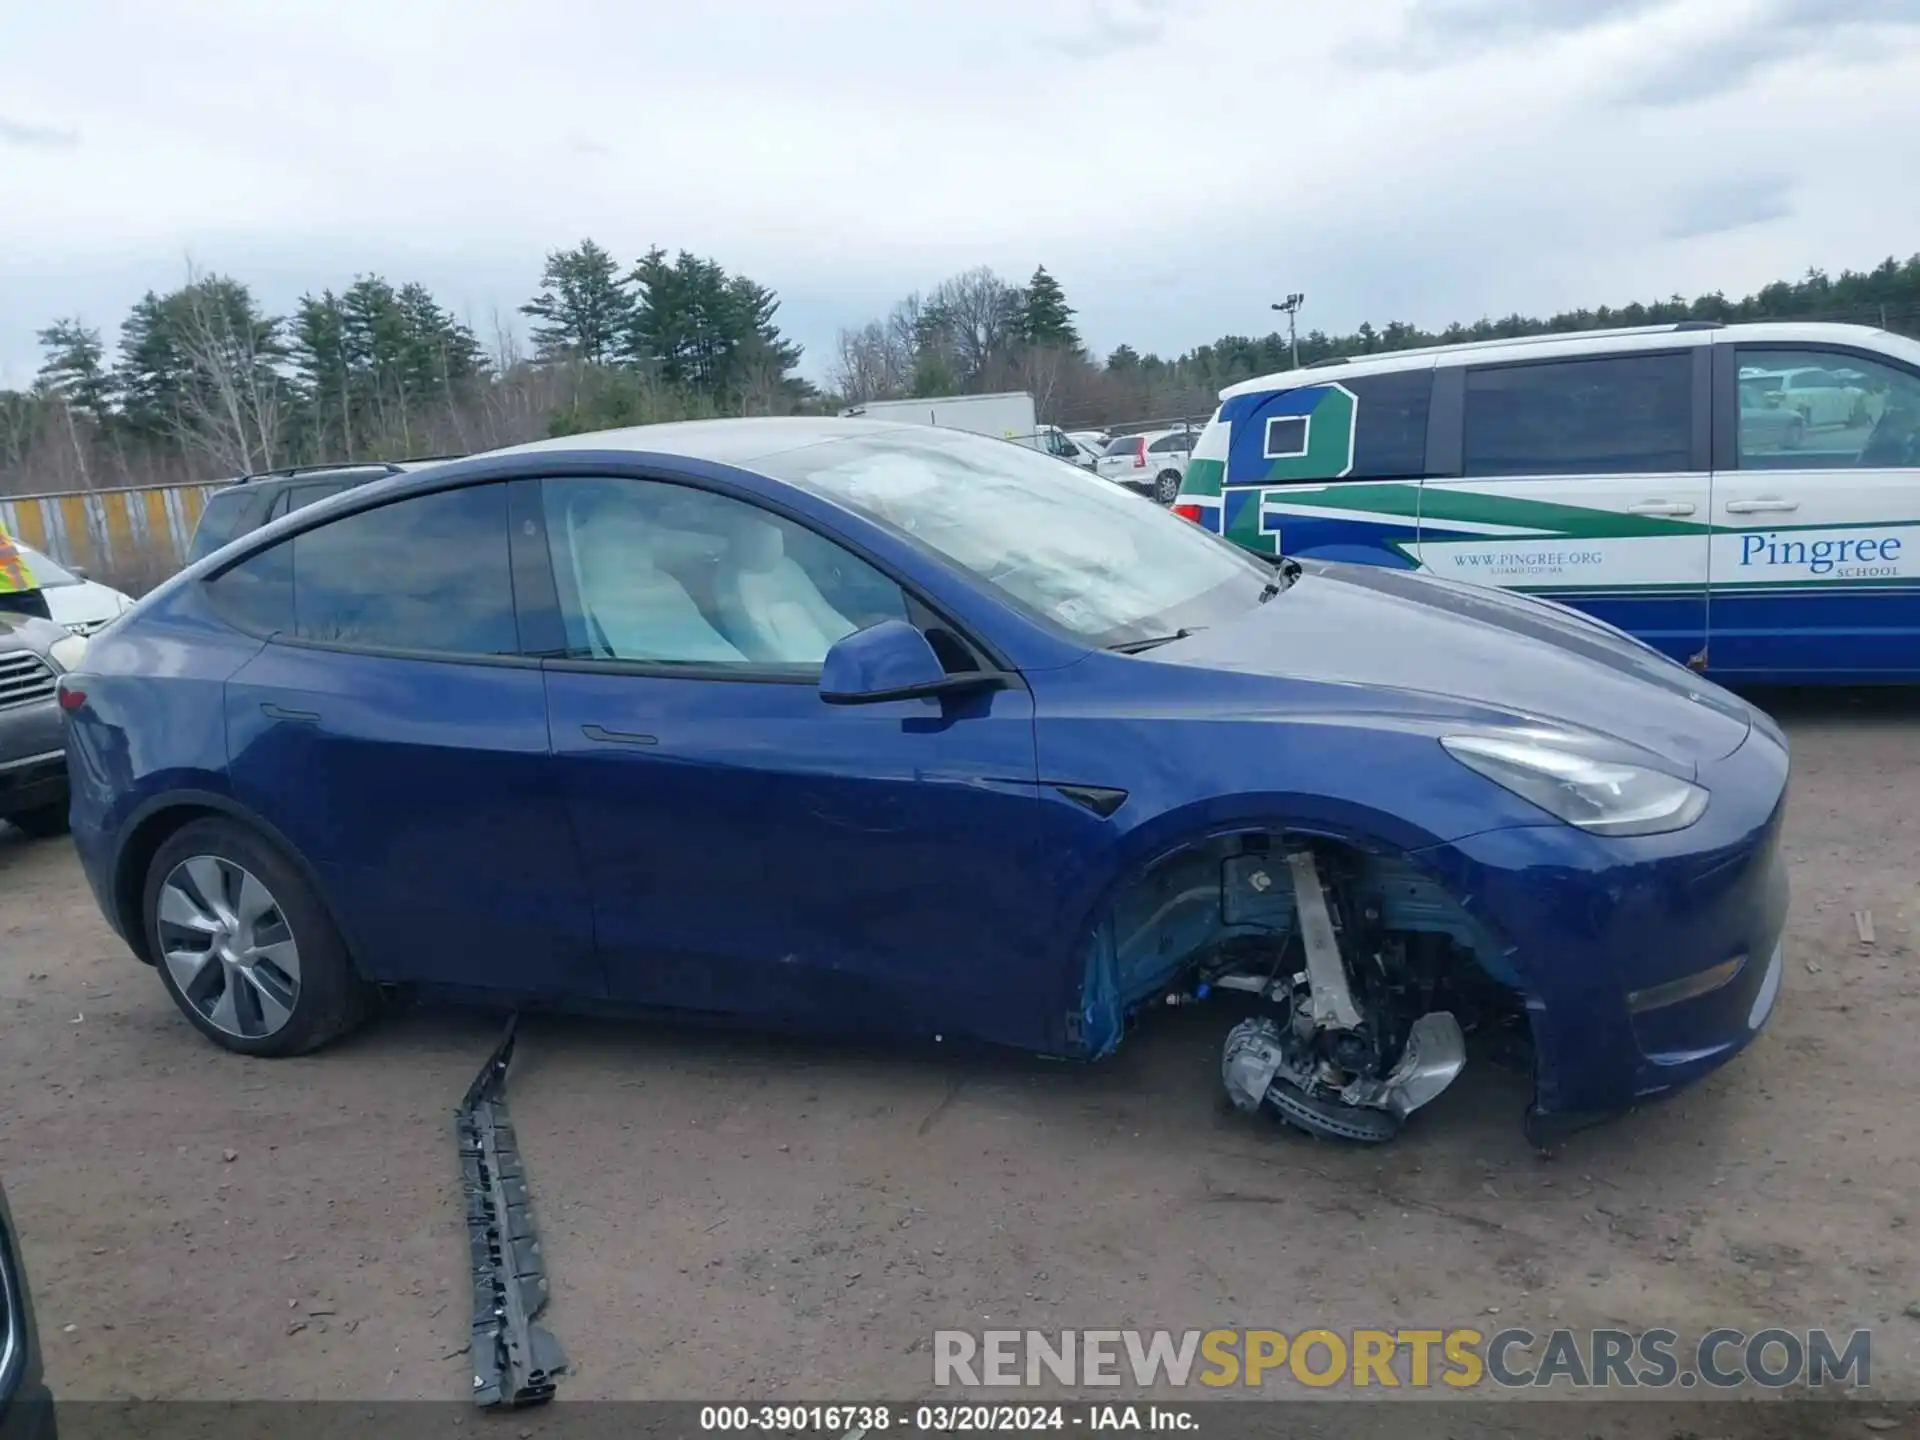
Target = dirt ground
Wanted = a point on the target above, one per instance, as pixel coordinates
(731, 1216)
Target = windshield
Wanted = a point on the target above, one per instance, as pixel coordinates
(46, 571)
(1095, 560)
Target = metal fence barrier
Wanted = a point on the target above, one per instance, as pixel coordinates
(141, 531)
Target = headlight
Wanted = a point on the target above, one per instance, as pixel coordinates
(1603, 796)
(68, 651)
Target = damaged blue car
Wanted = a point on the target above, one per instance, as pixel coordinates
(890, 730)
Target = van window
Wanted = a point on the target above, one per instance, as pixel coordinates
(1621, 415)
(1860, 414)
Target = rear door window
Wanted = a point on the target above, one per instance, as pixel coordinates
(1618, 415)
(1123, 445)
(430, 573)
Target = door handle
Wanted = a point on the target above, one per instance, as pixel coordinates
(280, 712)
(1761, 507)
(1661, 507)
(617, 737)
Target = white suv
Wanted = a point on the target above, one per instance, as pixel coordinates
(1154, 463)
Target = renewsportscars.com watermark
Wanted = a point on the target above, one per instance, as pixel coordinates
(1457, 1359)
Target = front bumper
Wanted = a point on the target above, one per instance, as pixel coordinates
(1615, 942)
(33, 758)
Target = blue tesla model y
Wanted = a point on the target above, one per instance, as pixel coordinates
(886, 729)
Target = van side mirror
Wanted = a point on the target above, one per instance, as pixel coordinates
(892, 661)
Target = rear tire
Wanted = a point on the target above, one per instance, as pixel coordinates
(1166, 486)
(244, 946)
(43, 822)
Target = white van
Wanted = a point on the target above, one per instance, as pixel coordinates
(1745, 498)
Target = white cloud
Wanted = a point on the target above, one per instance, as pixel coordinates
(1176, 163)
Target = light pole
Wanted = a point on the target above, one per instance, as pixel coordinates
(1290, 307)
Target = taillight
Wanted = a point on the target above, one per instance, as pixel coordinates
(71, 699)
(1188, 512)
(1140, 454)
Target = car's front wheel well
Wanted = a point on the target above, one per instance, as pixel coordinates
(1355, 951)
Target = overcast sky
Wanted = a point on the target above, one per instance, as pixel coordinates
(1178, 164)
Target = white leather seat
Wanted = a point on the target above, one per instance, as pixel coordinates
(642, 611)
(767, 603)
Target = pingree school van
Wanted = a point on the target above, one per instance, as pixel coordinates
(1744, 498)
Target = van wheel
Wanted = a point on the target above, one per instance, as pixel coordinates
(1166, 486)
(245, 947)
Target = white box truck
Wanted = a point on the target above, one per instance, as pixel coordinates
(1006, 416)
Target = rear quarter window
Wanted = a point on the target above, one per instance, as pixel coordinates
(1390, 440)
(219, 522)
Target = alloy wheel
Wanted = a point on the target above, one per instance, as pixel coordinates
(228, 947)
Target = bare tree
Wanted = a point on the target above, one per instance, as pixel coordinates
(858, 371)
(232, 408)
(978, 315)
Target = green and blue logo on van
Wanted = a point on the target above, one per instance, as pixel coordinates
(1272, 437)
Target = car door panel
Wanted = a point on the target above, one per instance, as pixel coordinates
(755, 851)
(1816, 546)
(423, 793)
(751, 849)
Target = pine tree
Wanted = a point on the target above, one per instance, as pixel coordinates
(1047, 319)
(75, 369)
(584, 309)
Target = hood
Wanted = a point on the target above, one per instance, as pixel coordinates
(1368, 625)
(28, 632)
(85, 607)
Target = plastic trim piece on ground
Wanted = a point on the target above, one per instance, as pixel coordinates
(515, 1361)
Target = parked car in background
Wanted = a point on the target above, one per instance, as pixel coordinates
(34, 653)
(80, 604)
(886, 729)
(26, 1405)
(1766, 424)
(1153, 463)
(1094, 440)
(1818, 395)
(1049, 440)
(1084, 453)
(252, 500)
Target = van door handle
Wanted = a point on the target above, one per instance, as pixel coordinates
(1661, 507)
(280, 712)
(617, 737)
(1761, 507)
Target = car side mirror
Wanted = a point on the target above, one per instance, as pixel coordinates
(79, 572)
(891, 661)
